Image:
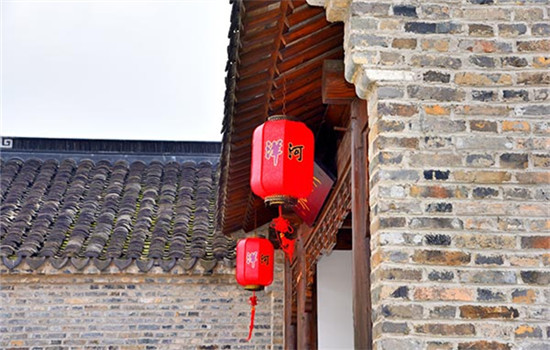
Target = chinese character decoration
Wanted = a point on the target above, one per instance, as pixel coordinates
(254, 271)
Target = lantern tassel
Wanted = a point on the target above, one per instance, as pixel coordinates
(282, 227)
(253, 303)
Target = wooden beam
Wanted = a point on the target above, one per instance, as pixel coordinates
(362, 309)
(289, 331)
(301, 295)
(335, 88)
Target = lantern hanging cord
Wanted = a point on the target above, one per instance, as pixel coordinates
(284, 95)
(253, 302)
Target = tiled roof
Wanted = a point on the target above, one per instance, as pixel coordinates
(110, 212)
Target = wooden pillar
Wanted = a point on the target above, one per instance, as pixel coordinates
(289, 331)
(302, 328)
(360, 227)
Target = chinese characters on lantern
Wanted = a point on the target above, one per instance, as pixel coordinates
(273, 149)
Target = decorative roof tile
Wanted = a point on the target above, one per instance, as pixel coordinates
(110, 213)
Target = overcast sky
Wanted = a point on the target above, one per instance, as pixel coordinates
(117, 69)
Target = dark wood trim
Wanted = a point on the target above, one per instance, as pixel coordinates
(289, 327)
(302, 314)
(360, 227)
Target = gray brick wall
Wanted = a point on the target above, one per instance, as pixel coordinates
(136, 311)
(458, 94)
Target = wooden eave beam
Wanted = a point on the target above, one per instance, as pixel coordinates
(285, 7)
(335, 89)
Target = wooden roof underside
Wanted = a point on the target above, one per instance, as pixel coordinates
(276, 55)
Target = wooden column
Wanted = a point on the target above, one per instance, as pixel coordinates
(302, 328)
(360, 227)
(289, 331)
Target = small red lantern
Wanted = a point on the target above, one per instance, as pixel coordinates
(255, 260)
(254, 263)
(282, 160)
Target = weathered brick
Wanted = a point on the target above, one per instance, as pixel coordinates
(439, 208)
(436, 223)
(514, 160)
(541, 160)
(480, 30)
(395, 142)
(515, 95)
(405, 10)
(536, 242)
(485, 192)
(484, 294)
(484, 345)
(443, 294)
(373, 9)
(477, 79)
(401, 274)
(524, 296)
(446, 329)
(401, 311)
(480, 160)
(397, 109)
(535, 277)
(511, 30)
(541, 29)
(483, 125)
(533, 78)
(541, 62)
(528, 14)
(436, 61)
(440, 45)
(534, 45)
(442, 159)
(481, 312)
(395, 327)
(483, 95)
(439, 345)
(389, 92)
(436, 174)
(434, 76)
(483, 61)
(435, 11)
(439, 257)
(515, 126)
(441, 276)
(490, 276)
(489, 260)
(435, 93)
(438, 192)
(404, 43)
(444, 312)
(514, 61)
(420, 27)
(485, 46)
(482, 177)
(527, 331)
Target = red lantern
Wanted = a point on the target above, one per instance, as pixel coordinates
(254, 263)
(282, 160)
(254, 269)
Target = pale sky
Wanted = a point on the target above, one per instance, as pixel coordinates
(117, 69)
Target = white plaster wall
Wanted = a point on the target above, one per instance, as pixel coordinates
(335, 318)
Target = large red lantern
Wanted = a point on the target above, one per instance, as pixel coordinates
(282, 160)
(255, 259)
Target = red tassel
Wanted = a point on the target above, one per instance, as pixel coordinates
(281, 227)
(253, 303)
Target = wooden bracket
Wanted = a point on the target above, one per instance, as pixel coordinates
(335, 88)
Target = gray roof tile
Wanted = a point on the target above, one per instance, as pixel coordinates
(109, 213)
